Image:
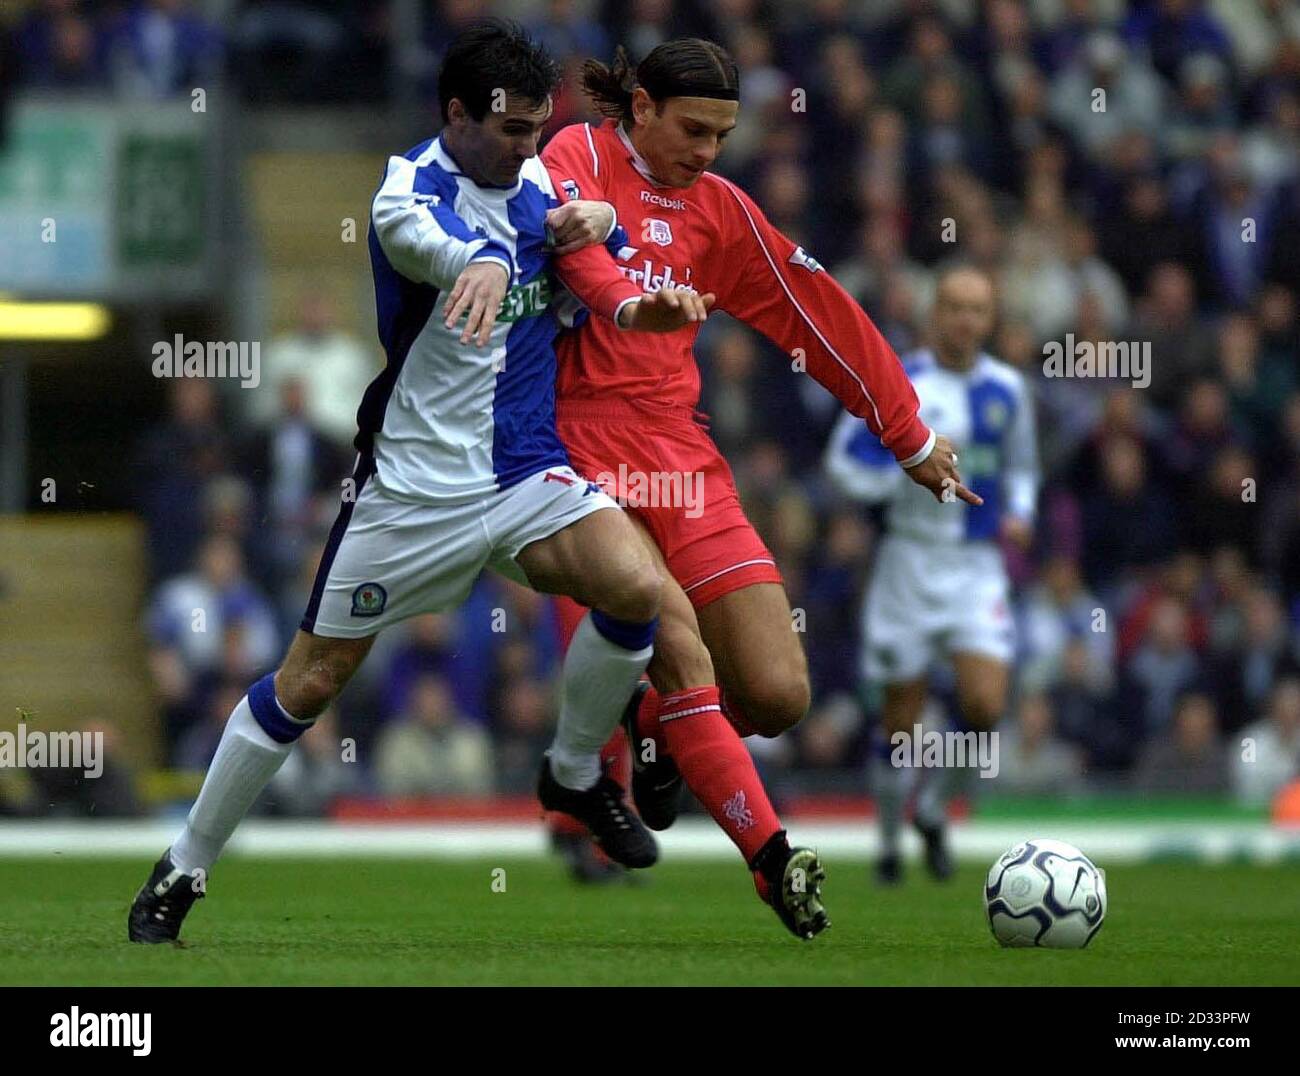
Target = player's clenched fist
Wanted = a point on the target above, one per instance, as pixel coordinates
(579, 223)
(665, 310)
(479, 290)
(938, 473)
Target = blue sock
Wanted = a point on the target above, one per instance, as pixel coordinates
(275, 720)
(629, 634)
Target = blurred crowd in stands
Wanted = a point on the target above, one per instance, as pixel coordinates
(1126, 172)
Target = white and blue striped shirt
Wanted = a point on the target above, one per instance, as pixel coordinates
(447, 421)
(988, 414)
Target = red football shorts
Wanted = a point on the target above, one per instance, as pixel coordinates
(659, 462)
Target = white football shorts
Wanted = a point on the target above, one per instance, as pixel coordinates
(388, 559)
(927, 599)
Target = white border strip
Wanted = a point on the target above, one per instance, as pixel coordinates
(690, 839)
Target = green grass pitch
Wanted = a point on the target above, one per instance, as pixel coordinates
(428, 922)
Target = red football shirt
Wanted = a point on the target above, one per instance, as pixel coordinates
(713, 238)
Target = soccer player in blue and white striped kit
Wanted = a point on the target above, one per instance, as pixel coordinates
(938, 584)
(459, 466)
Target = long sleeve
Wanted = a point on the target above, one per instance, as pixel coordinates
(858, 465)
(1021, 476)
(591, 273)
(773, 286)
(419, 232)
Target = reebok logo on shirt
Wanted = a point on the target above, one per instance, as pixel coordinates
(658, 199)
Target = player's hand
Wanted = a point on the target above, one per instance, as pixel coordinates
(665, 310)
(479, 290)
(579, 223)
(938, 473)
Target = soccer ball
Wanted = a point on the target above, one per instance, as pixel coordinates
(1046, 893)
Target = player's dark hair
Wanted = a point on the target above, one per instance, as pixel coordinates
(683, 67)
(492, 55)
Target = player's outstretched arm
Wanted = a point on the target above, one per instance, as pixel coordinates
(774, 286)
(804, 311)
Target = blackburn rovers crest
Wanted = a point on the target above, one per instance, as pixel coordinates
(369, 599)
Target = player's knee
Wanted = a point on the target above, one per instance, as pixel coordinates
(776, 702)
(639, 595)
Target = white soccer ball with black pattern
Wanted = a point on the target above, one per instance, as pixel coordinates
(1047, 893)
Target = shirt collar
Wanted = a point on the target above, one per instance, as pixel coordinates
(638, 162)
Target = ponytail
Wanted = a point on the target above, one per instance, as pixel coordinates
(683, 67)
(610, 88)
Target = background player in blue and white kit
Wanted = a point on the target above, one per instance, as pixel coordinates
(938, 585)
(459, 466)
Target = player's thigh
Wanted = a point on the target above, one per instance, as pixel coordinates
(982, 685)
(681, 660)
(389, 559)
(757, 655)
(901, 625)
(982, 639)
(904, 701)
(316, 669)
(600, 561)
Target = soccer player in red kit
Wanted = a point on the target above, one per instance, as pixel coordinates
(726, 658)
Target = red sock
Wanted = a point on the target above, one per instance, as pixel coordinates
(647, 723)
(732, 712)
(615, 759)
(716, 766)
